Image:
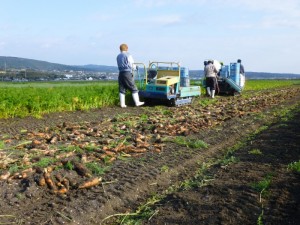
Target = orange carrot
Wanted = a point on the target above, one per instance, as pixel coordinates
(143, 145)
(90, 183)
(41, 181)
(5, 176)
(66, 183)
(36, 142)
(110, 153)
(105, 148)
(157, 150)
(103, 156)
(24, 175)
(49, 169)
(49, 181)
(63, 190)
(112, 159)
(136, 154)
(139, 150)
(119, 147)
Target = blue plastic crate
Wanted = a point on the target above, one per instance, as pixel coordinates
(234, 68)
(235, 72)
(184, 81)
(184, 71)
(224, 71)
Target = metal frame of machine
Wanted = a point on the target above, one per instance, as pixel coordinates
(166, 81)
(230, 79)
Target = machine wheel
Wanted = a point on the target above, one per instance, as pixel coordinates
(235, 93)
(148, 101)
(193, 100)
(171, 102)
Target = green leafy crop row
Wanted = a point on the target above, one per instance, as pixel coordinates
(36, 99)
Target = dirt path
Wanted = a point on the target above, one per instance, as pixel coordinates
(135, 176)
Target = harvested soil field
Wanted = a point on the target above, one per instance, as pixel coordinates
(197, 164)
(230, 194)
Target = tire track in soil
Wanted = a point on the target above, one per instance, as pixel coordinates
(129, 183)
(230, 199)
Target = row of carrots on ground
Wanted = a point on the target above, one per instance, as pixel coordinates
(61, 185)
(106, 154)
(57, 183)
(141, 144)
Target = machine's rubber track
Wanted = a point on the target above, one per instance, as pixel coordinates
(183, 101)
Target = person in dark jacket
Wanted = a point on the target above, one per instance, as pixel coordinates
(242, 70)
(126, 82)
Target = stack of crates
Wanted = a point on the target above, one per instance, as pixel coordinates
(184, 77)
(224, 73)
(235, 72)
(184, 74)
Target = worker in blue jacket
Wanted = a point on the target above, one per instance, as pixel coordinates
(126, 82)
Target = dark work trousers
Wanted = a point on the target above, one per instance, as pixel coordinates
(211, 83)
(126, 82)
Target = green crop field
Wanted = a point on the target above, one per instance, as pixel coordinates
(36, 99)
(253, 85)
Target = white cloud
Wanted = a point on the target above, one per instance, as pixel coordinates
(274, 13)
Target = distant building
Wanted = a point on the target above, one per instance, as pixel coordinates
(68, 76)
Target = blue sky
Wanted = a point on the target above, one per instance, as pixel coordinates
(265, 34)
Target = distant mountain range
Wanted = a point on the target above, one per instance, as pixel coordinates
(9, 63)
(195, 74)
(22, 63)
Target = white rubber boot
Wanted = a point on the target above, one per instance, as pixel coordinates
(208, 91)
(122, 100)
(136, 99)
(213, 94)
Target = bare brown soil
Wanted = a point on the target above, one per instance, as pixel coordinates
(228, 197)
(135, 146)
